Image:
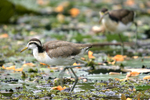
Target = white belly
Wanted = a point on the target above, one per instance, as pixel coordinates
(113, 26)
(123, 27)
(44, 58)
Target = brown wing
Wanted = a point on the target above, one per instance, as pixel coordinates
(123, 15)
(61, 48)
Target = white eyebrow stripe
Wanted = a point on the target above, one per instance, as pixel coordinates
(35, 42)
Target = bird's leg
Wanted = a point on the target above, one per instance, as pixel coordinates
(70, 73)
(70, 67)
(122, 45)
(136, 36)
(61, 74)
(75, 76)
(76, 80)
(85, 63)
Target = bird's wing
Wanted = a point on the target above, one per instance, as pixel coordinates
(61, 49)
(123, 15)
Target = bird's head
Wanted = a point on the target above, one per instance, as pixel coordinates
(33, 43)
(103, 12)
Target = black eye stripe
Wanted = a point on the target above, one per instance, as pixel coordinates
(40, 48)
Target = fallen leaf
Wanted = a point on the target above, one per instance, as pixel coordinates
(59, 88)
(146, 77)
(74, 12)
(90, 55)
(135, 57)
(5, 35)
(42, 2)
(3, 67)
(82, 58)
(112, 62)
(119, 58)
(114, 73)
(75, 64)
(130, 2)
(59, 9)
(18, 69)
(130, 74)
(117, 79)
(28, 64)
(10, 68)
(43, 63)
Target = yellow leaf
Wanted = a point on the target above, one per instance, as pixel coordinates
(43, 63)
(118, 58)
(28, 64)
(90, 54)
(59, 88)
(146, 77)
(18, 69)
(59, 9)
(74, 12)
(3, 67)
(5, 35)
(133, 74)
(10, 68)
(114, 73)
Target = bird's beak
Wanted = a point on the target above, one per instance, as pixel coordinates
(24, 49)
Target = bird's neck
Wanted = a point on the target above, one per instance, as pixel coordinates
(37, 50)
(106, 18)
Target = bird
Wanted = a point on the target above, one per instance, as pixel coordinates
(59, 52)
(118, 21)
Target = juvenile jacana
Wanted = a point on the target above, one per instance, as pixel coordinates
(117, 21)
(58, 53)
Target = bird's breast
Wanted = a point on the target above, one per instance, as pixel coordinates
(110, 25)
(44, 58)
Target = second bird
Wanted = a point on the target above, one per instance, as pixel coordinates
(117, 21)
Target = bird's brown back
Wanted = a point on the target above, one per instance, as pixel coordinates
(62, 48)
(123, 15)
